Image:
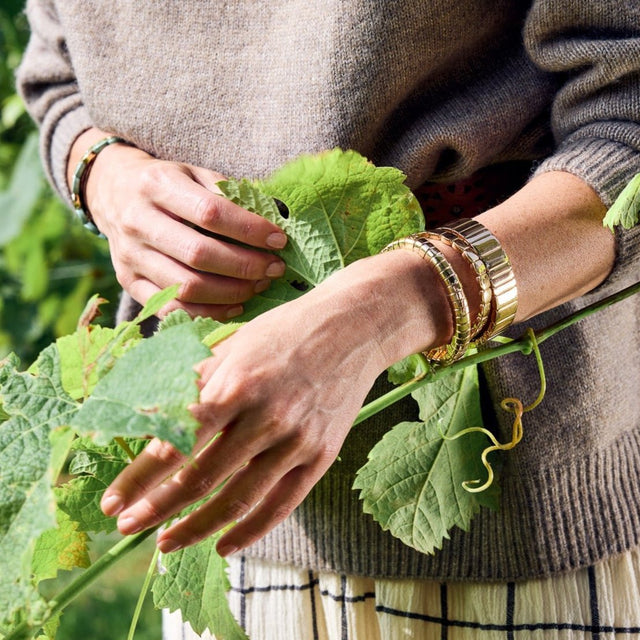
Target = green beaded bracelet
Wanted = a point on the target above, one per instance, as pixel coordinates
(80, 176)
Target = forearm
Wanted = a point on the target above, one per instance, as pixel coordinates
(285, 388)
(552, 232)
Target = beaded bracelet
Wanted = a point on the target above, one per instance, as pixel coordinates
(453, 351)
(80, 176)
(503, 283)
(479, 268)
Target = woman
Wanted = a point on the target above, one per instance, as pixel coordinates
(442, 91)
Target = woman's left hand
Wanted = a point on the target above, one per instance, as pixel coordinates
(278, 398)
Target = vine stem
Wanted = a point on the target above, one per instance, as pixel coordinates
(143, 593)
(524, 344)
(67, 595)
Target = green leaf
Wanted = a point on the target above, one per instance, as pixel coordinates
(94, 468)
(407, 369)
(203, 326)
(61, 548)
(221, 332)
(23, 191)
(195, 581)
(35, 273)
(412, 482)
(36, 404)
(83, 356)
(148, 391)
(210, 331)
(156, 302)
(340, 208)
(91, 351)
(625, 211)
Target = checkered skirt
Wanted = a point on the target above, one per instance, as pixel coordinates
(276, 602)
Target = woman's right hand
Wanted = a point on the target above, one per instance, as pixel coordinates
(154, 212)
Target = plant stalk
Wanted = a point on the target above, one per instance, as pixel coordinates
(143, 593)
(69, 593)
(524, 344)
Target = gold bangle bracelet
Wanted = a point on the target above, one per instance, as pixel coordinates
(479, 268)
(503, 283)
(453, 351)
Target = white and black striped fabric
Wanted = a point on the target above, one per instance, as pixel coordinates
(276, 602)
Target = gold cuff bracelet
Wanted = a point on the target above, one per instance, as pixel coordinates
(503, 283)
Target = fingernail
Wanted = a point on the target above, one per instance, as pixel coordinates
(277, 240)
(234, 312)
(168, 545)
(262, 285)
(112, 505)
(226, 550)
(275, 270)
(129, 525)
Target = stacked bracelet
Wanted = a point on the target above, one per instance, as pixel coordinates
(80, 176)
(494, 276)
(482, 276)
(504, 291)
(462, 324)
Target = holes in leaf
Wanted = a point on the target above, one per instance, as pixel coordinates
(283, 210)
(299, 285)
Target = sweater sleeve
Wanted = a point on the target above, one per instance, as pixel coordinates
(594, 45)
(47, 84)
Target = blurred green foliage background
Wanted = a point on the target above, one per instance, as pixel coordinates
(49, 264)
(49, 267)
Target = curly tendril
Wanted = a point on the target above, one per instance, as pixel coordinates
(512, 405)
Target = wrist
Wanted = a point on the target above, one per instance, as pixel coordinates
(80, 146)
(91, 155)
(397, 302)
(81, 176)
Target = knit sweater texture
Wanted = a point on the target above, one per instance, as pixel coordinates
(438, 89)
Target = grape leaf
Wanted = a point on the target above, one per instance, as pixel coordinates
(341, 208)
(203, 326)
(155, 303)
(36, 404)
(412, 482)
(83, 354)
(625, 211)
(148, 391)
(63, 547)
(408, 369)
(91, 351)
(195, 581)
(94, 468)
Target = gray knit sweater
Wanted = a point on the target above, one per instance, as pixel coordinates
(438, 89)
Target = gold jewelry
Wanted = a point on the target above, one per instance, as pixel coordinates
(480, 269)
(503, 283)
(453, 351)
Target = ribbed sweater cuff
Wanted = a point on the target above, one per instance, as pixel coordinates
(55, 148)
(607, 167)
(604, 165)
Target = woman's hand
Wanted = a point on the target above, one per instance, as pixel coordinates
(157, 216)
(280, 395)
(277, 401)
